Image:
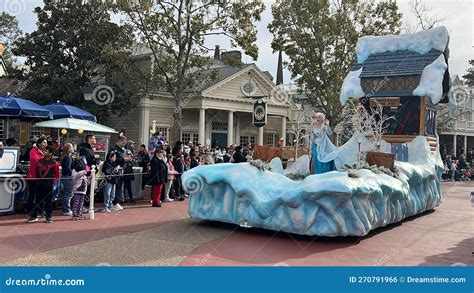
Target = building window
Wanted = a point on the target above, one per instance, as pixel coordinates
(189, 136)
(35, 131)
(219, 125)
(247, 139)
(290, 139)
(195, 139)
(253, 139)
(271, 140)
(164, 131)
(185, 137)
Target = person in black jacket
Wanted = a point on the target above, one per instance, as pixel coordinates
(178, 163)
(238, 156)
(122, 158)
(128, 176)
(86, 151)
(144, 161)
(109, 169)
(158, 177)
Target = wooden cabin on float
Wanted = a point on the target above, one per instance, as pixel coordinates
(408, 75)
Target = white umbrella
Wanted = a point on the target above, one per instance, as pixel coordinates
(72, 123)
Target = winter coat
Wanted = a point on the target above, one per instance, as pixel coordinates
(35, 156)
(128, 172)
(48, 172)
(108, 169)
(239, 157)
(158, 172)
(85, 150)
(67, 166)
(120, 153)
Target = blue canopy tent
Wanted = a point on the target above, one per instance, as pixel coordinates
(61, 110)
(15, 107)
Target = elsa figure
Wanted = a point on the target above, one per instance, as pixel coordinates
(323, 152)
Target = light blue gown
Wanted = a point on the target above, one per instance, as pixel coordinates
(322, 150)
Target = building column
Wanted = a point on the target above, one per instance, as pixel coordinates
(455, 144)
(237, 130)
(283, 130)
(202, 126)
(260, 136)
(144, 122)
(230, 128)
(465, 145)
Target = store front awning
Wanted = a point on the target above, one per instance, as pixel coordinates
(15, 107)
(61, 110)
(72, 123)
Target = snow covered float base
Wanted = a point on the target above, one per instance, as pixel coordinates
(338, 203)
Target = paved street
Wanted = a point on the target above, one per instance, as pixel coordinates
(141, 235)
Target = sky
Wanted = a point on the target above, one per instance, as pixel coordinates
(458, 17)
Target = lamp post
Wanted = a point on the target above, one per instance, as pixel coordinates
(87, 91)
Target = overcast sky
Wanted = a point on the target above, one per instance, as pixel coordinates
(458, 17)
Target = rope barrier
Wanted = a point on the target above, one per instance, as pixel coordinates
(96, 176)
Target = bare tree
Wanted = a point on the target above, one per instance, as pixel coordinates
(425, 19)
(304, 122)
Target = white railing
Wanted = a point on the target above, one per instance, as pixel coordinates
(464, 126)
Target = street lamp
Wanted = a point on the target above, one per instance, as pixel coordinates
(87, 91)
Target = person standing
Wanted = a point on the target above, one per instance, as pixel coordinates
(87, 154)
(36, 153)
(80, 182)
(47, 172)
(86, 150)
(158, 177)
(171, 178)
(143, 162)
(178, 162)
(128, 176)
(323, 152)
(67, 166)
(238, 156)
(110, 169)
(121, 159)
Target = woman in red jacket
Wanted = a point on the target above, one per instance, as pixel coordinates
(36, 154)
(47, 172)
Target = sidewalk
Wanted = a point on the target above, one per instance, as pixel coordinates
(19, 239)
(142, 235)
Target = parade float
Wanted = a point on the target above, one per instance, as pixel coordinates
(401, 76)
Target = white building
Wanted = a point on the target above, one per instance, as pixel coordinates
(216, 111)
(460, 131)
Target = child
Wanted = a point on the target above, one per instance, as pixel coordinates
(80, 188)
(109, 169)
(47, 172)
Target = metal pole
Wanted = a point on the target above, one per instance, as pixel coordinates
(91, 194)
(465, 130)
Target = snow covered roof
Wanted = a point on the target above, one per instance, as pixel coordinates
(398, 63)
(420, 57)
(421, 42)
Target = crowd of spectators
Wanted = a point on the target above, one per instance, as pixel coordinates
(457, 168)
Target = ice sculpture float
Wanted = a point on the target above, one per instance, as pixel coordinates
(330, 204)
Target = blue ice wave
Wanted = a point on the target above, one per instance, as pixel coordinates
(330, 204)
